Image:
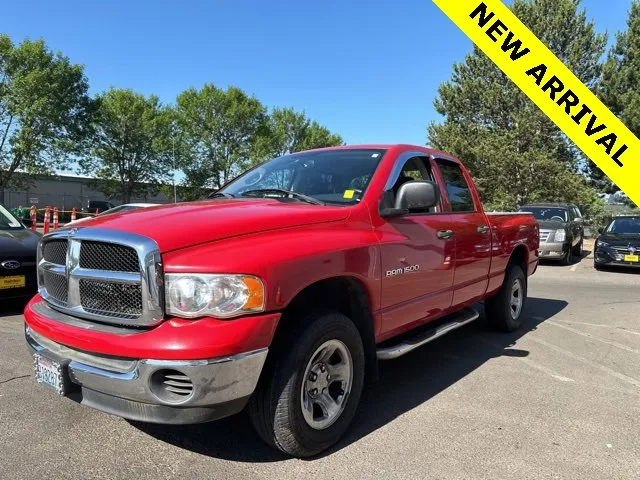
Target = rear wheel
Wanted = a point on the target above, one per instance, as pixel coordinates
(504, 310)
(311, 387)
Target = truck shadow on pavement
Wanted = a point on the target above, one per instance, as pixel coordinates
(403, 385)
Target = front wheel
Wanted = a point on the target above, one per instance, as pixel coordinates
(310, 391)
(504, 310)
(579, 249)
(568, 258)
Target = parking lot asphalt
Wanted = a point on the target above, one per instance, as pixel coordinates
(559, 399)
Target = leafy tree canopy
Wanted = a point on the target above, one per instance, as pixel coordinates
(44, 109)
(130, 145)
(620, 86)
(514, 151)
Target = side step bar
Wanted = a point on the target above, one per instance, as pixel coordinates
(407, 345)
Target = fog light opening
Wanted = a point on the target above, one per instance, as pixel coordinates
(171, 386)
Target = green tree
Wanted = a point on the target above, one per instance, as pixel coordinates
(620, 86)
(514, 151)
(218, 131)
(292, 131)
(131, 144)
(44, 109)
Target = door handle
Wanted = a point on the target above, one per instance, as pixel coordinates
(445, 234)
(483, 229)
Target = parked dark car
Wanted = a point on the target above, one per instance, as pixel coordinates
(561, 230)
(99, 205)
(619, 243)
(18, 247)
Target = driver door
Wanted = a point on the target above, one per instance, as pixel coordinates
(417, 257)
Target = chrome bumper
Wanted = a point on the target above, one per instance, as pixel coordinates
(130, 387)
(552, 250)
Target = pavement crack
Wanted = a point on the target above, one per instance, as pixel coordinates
(18, 377)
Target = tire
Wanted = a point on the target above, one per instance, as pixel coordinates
(499, 309)
(568, 258)
(579, 249)
(276, 407)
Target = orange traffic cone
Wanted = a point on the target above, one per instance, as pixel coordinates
(47, 219)
(34, 218)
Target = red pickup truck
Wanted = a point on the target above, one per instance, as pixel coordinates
(280, 293)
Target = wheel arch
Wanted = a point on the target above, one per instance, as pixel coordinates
(345, 294)
(520, 257)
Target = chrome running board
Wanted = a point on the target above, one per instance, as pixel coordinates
(407, 345)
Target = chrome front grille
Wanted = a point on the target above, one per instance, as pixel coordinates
(102, 275)
(112, 299)
(544, 235)
(105, 256)
(55, 251)
(625, 250)
(56, 286)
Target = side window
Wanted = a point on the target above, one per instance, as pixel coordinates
(458, 190)
(416, 168)
(578, 214)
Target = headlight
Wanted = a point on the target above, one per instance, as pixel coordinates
(215, 295)
(600, 243)
(561, 235)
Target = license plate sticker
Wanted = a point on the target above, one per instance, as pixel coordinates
(632, 258)
(50, 373)
(14, 281)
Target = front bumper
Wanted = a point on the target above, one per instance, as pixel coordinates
(31, 285)
(136, 388)
(553, 250)
(609, 257)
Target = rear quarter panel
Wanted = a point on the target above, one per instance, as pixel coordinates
(510, 230)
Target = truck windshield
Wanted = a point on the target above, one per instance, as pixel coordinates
(547, 213)
(8, 221)
(625, 226)
(338, 177)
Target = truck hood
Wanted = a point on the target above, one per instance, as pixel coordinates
(183, 225)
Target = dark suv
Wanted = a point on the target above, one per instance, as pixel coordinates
(561, 230)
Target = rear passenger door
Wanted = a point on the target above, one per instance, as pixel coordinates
(471, 231)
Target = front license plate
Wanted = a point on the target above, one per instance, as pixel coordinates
(632, 258)
(51, 373)
(15, 281)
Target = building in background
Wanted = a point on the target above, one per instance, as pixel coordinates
(65, 191)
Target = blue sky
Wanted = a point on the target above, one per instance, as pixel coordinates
(367, 70)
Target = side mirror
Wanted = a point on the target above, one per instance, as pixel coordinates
(414, 195)
(27, 222)
(601, 230)
(577, 219)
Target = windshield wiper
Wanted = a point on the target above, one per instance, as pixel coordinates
(220, 194)
(299, 196)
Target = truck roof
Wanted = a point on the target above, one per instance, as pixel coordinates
(557, 205)
(390, 146)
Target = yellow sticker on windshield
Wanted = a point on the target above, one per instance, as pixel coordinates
(348, 193)
(552, 87)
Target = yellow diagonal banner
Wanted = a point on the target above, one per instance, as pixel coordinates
(552, 87)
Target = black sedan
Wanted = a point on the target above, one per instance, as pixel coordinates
(18, 247)
(619, 243)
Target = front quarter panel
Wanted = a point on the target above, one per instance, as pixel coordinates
(289, 260)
